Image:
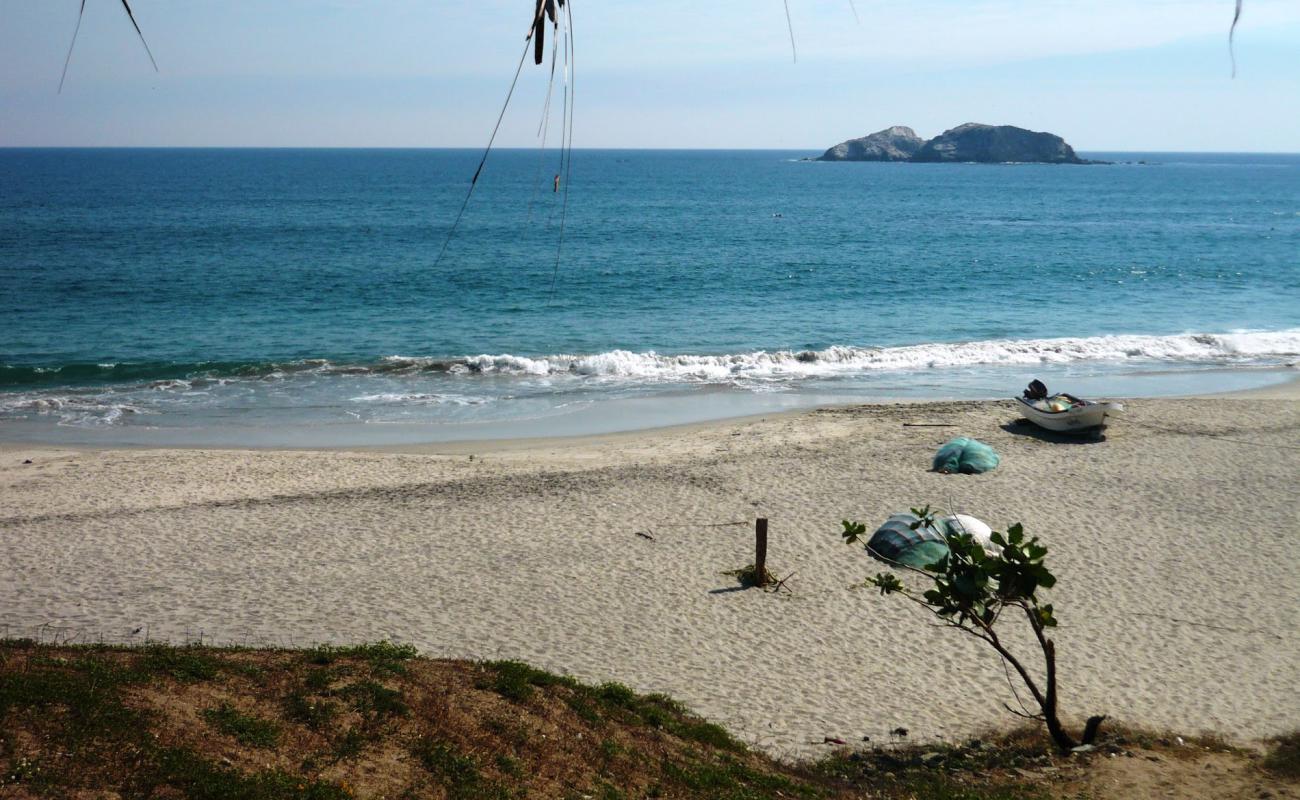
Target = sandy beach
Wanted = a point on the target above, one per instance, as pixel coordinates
(1176, 542)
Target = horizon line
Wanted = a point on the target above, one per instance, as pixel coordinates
(479, 148)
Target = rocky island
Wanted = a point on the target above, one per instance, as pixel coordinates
(972, 142)
(898, 143)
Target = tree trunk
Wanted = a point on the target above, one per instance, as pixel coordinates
(1090, 730)
(1062, 739)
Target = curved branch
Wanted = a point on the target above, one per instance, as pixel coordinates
(1013, 661)
(944, 620)
(1034, 717)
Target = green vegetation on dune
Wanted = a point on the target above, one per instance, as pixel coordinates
(245, 728)
(378, 721)
(114, 718)
(1284, 760)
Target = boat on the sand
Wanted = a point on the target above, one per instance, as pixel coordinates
(1065, 413)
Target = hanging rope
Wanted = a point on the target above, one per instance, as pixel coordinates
(790, 24)
(1232, 53)
(566, 157)
(482, 161)
(544, 125)
(81, 14)
(536, 39)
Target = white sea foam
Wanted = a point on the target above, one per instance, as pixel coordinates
(514, 364)
(442, 385)
(172, 385)
(1243, 347)
(417, 398)
(70, 409)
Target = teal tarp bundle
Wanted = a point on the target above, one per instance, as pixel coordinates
(966, 456)
(896, 542)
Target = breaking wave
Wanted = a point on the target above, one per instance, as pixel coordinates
(1228, 348)
(1240, 348)
(72, 410)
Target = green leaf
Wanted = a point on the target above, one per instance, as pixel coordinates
(939, 566)
(1045, 618)
(966, 586)
(886, 582)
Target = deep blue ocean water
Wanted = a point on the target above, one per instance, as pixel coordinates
(293, 296)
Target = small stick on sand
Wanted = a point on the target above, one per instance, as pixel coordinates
(779, 585)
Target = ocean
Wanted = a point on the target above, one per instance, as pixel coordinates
(295, 297)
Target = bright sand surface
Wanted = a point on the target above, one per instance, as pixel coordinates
(1176, 542)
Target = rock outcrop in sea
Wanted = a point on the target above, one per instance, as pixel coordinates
(898, 143)
(972, 142)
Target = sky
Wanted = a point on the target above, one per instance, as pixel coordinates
(1108, 75)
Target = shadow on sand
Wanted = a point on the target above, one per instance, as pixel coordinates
(1023, 427)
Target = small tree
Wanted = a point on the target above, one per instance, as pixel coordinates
(970, 590)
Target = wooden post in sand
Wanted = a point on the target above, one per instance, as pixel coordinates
(760, 552)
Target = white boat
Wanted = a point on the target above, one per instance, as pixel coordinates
(1066, 413)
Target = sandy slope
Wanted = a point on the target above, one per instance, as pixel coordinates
(1177, 542)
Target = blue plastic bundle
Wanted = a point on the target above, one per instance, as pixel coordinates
(967, 456)
(896, 542)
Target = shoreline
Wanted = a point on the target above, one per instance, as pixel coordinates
(1283, 390)
(533, 553)
(317, 405)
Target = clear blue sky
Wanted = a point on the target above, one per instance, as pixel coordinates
(1105, 74)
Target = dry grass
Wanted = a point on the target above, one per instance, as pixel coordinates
(371, 721)
(1284, 758)
(379, 721)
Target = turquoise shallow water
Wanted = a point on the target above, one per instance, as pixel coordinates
(292, 296)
